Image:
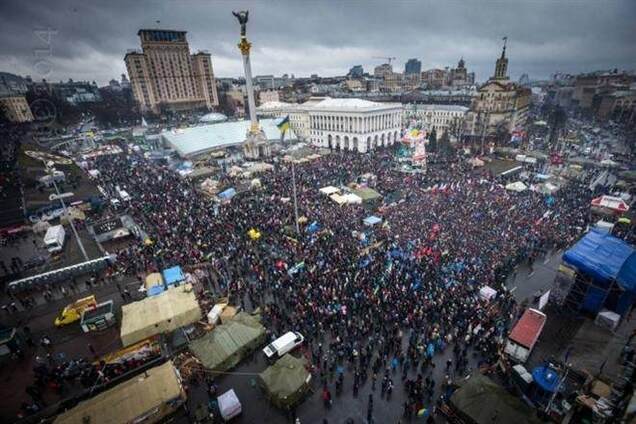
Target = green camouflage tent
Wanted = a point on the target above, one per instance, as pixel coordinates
(286, 382)
(480, 400)
(225, 346)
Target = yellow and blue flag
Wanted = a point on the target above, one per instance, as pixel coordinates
(283, 126)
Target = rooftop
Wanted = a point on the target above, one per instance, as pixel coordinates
(205, 138)
(352, 105)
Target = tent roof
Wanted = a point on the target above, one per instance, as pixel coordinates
(173, 275)
(227, 340)
(174, 308)
(372, 220)
(604, 257)
(611, 202)
(367, 194)
(286, 378)
(484, 401)
(128, 400)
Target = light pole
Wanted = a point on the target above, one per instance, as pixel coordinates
(295, 199)
(51, 170)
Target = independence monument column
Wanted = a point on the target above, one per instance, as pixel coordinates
(255, 143)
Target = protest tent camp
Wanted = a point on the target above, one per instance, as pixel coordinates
(329, 190)
(173, 276)
(225, 346)
(286, 382)
(606, 270)
(516, 187)
(174, 308)
(372, 220)
(157, 390)
(480, 400)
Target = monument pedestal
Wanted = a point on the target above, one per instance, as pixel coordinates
(255, 145)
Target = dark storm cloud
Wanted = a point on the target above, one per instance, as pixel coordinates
(89, 39)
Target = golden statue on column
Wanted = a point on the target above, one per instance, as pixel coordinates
(255, 144)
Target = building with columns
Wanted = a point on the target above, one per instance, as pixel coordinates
(441, 118)
(354, 124)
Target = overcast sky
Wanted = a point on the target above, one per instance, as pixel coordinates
(89, 38)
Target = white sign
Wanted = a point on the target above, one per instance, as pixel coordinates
(543, 300)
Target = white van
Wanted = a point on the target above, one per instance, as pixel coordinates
(54, 238)
(282, 345)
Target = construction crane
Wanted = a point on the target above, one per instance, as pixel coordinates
(388, 59)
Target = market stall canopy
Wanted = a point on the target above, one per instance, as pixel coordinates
(604, 257)
(517, 187)
(482, 401)
(174, 308)
(329, 190)
(613, 203)
(286, 382)
(130, 400)
(372, 220)
(225, 346)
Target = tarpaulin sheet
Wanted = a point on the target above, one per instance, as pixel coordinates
(173, 275)
(604, 257)
(547, 378)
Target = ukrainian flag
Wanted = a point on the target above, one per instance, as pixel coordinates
(283, 126)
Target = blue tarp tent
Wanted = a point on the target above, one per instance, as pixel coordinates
(155, 290)
(227, 194)
(372, 220)
(546, 378)
(604, 259)
(172, 276)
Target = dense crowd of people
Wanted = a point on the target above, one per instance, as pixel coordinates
(375, 300)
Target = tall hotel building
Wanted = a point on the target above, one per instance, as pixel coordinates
(165, 76)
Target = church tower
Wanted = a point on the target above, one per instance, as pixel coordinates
(501, 68)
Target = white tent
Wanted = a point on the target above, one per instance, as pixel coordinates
(229, 405)
(341, 200)
(487, 293)
(517, 187)
(329, 190)
(353, 199)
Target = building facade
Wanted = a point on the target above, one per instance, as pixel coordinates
(165, 76)
(268, 96)
(441, 118)
(356, 71)
(381, 71)
(500, 105)
(412, 66)
(12, 98)
(354, 124)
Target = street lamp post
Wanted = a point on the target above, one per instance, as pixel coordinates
(295, 199)
(51, 171)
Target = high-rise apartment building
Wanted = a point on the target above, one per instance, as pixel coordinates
(413, 66)
(165, 76)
